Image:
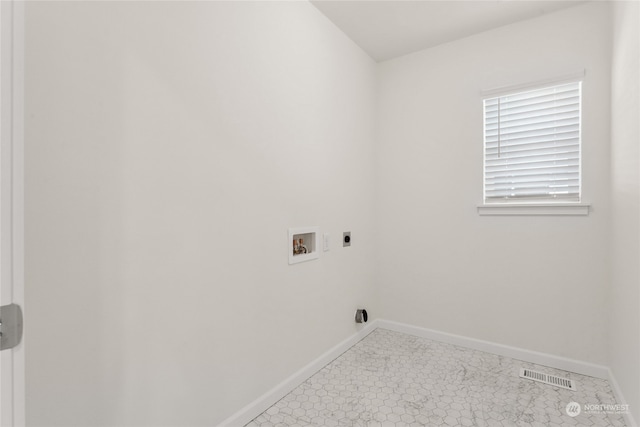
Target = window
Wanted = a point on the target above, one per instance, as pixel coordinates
(532, 145)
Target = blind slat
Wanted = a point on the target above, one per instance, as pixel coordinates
(531, 148)
(531, 177)
(542, 131)
(535, 103)
(529, 185)
(507, 162)
(552, 117)
(548, 139)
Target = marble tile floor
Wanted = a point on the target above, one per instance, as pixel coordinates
(393, 379)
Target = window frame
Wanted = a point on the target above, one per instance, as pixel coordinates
(546, 206)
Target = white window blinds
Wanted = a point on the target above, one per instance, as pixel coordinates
(532, 145)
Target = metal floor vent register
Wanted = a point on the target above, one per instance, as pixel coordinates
(548, 379)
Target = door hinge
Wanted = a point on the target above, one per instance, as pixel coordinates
(10, 326)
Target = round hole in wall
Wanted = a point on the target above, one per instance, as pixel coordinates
(361, 316)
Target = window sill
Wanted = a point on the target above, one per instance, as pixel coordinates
(549, 209)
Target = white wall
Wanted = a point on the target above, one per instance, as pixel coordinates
(539, 283)
(624, 338)
(169, 147)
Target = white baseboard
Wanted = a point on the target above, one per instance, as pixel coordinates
(264, 402)
(615, 387)
(538, 358)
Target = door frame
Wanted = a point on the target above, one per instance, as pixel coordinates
(12, 362)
